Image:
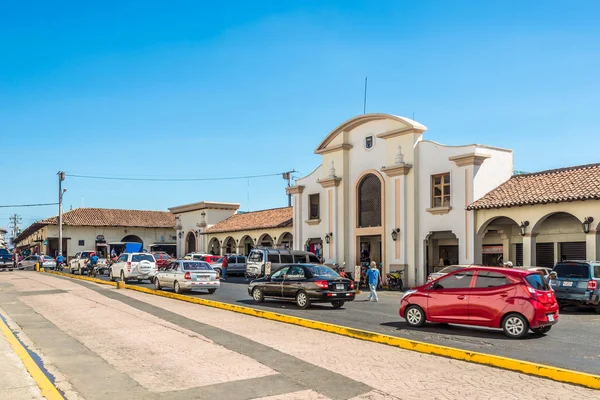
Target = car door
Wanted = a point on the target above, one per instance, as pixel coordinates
(273, 286)
(293, 281)
(489, 297)
(448, 298)
(28, 262)
(241, 263)
(119, 265)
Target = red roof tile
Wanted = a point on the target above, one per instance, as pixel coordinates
(553, 186)
(114, 217)
(264, 219)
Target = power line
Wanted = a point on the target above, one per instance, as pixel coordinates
(114, 178)
(28, 205)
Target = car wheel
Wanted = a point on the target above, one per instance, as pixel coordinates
(212, 290)
(302, 300)
(542, 330)
(177, 287)
(515, 326)
(123, 276)
(337, 304)
(157, 284)
(258, 295)
(415, 316)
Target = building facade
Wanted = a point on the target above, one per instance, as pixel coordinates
(101, 230)
(541, 218)
(384, 194)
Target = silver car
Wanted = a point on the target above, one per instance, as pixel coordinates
(235, 264)
(29, 262)
(185, 275)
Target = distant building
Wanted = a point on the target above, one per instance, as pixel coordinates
(3, 233)
(102, 230)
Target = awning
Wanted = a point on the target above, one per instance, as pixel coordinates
(492, 249)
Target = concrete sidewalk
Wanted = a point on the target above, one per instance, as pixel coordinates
(148, 347)
(15, 381)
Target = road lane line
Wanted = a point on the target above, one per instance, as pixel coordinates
(526, 367)
(49, 391)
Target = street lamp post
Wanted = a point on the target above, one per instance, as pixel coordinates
(61, 177)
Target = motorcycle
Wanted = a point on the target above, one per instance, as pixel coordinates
(395, 280)
(60, 266)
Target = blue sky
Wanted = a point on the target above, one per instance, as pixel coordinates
(208, 89)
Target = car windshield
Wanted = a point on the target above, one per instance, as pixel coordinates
(320, 270)
(85, 254)
(572, 270)
(142, 257)
(537, 282)
(196, 266)
(450, 268)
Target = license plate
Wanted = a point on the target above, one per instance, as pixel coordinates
(339, 286)
(550, 317)
(202, 277)
(567, 284)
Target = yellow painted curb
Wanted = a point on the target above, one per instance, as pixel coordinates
(526, 367)
(48, 390)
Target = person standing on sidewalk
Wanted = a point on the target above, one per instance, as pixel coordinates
(224, 268)
(373, 278)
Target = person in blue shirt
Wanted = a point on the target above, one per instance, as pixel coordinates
(373, 280)
(93, 260)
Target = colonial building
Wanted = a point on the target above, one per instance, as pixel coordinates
(219, 228)
(383, 193)
(540, 218)
(100, 229)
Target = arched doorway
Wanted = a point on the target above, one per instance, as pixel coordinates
(213, 246)
(441, 250)
(265, 240)
(560, 236)
(286, 240)
(229, 245)
(369, 222)
(500, 242)
(246, 245)
(132, 239)
(190, 243)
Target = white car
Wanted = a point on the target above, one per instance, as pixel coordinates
(79, 263)
(138, 266)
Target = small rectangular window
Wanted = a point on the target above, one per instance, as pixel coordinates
(313, 259)
(287, 259)
(81, 243)
(315, 208)
(273, 258)
(300, 259)
(596, 271)
(440, 190)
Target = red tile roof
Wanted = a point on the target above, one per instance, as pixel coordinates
(552, 186)
(263, 219)
(114, 217)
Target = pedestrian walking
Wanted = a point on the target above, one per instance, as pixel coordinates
(373, 277)
(224, 268)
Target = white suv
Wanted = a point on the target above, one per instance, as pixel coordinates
(134, 266)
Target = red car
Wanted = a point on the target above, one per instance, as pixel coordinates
(162, 259)
(514, 300)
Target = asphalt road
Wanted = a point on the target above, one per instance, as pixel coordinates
(572, 343)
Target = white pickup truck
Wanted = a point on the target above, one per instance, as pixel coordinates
(79, 263)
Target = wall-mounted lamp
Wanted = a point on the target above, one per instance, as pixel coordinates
(180, 234)
(328, 237)
(586, 224)
(523, 227)
(395, 234)
(198, 232)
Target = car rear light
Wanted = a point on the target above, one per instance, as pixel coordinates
(187, 276)
(592, 285)
(532, 292)
(351, 284)
(322, 284)
(128, 266)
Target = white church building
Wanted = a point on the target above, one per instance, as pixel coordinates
(383, 193)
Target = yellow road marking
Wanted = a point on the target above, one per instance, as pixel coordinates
(48, 390)
(526, 367)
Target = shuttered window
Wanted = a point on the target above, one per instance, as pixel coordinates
(572, 251)
(544, 255)
(519, 254)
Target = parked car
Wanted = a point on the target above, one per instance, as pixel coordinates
(577, 283)
(162, 258)
(444, 271)
(511, 299)
(79, 263)
(255, 266)
(138, 266)
(235, 264)
(30, 261)
(304, 284)
(6, 258)
(184, 275)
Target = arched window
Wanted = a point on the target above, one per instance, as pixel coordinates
(191, 243)
(369, 202)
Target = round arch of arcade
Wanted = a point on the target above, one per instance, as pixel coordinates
(539, 235)
(243, 242)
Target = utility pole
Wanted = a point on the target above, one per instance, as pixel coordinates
(288, 176)
(61, 191)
